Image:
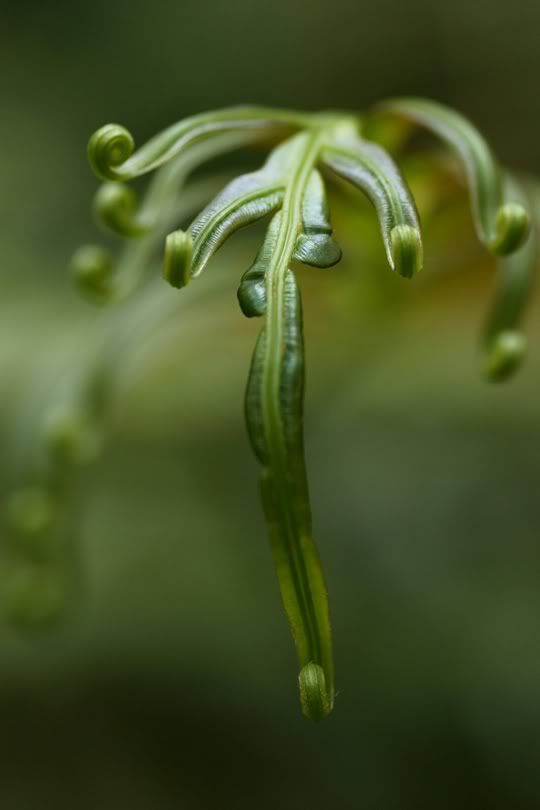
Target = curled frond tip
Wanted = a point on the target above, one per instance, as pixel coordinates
(511, 228)
(314, 698)
(407, 255)
(177, 260)
(506, 354)
(92, 269)
(108, 148)
(116, 207)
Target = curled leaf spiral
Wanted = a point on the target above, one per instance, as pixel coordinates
(108, 148)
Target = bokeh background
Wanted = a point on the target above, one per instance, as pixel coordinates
(171, 681)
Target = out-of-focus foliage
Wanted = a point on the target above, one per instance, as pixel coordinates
(165, 689)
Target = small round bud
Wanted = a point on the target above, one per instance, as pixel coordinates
(92, 269)
(506, 355)
(115, 206)
(512, 228)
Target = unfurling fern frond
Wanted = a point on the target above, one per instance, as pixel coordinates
(307, 151)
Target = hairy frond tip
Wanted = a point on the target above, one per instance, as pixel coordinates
(115, 205)
(505, 356)
(177, 260)
(512, 228)
(108, 148)
(314, 698)
(407, 253)
(92, 269)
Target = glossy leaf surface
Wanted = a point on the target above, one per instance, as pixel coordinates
(502, 223)
(244, 201)
(370, 168)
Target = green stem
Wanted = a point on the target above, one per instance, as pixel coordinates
(285, 485)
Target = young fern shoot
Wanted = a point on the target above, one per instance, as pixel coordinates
(290, 190)
(307, 150)
(300, 231)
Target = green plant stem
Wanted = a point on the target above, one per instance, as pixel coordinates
(285, 487)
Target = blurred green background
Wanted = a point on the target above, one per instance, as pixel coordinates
(171, 684)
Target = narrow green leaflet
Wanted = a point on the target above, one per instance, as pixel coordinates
(315, 245)
(252, 289)
(501, 222)
(504, 344)
(112, 155)
(370, 168)
(245, 200)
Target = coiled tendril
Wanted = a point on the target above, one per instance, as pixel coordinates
(108, 148)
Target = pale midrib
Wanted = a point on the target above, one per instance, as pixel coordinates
(378, 175)
(177, 138)
(290, 227)
(190, 139)
(224, 214)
